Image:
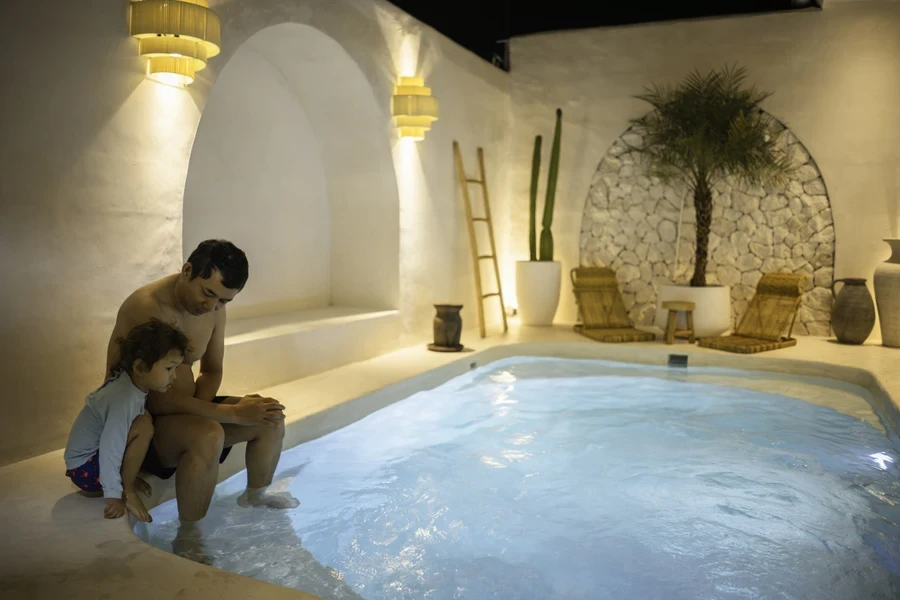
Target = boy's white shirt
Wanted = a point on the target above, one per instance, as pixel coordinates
(103, 425)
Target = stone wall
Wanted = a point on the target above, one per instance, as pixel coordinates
(630, 223)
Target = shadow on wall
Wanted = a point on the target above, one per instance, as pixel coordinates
(292, 164)
(630, 223)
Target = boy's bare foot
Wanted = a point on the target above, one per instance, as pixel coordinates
(261, 497)
(135, 506)
(142, 486)
(188, 543)
(114, 508)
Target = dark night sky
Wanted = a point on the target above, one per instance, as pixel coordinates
(479, 24)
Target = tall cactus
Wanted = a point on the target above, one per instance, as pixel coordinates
(547, 221)
(532, 206)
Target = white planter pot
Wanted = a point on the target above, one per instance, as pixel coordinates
(537, 290)
(712, 314)
(887, 296)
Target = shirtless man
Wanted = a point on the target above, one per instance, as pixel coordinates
(194, 429)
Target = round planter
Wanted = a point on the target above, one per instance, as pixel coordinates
(712, 316)
(537, 290)
(853, 314)
(887, 295)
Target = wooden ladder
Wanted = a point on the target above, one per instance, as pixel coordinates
(473, 242)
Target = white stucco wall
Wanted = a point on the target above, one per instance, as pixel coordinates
(257, 178)
(835, 75)
(96, 159)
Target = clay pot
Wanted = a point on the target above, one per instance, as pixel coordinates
(853, 313)
(447, 328)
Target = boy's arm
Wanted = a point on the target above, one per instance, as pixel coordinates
(119, 415)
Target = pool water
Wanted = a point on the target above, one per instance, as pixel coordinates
(534, 478)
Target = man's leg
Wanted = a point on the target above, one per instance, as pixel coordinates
(193, 445)
(264, 443)
(139, 437)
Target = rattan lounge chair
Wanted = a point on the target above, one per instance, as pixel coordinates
(602, 310)
(772, 310)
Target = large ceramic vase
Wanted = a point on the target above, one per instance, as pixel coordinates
(887, 295)
(853, 313)
(447, 328)
(537, 290)
(712, 314)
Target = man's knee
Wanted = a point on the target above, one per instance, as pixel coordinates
(274, 431)
(207, 439)
(142, 426)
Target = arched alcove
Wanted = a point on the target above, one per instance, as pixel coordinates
(290, 162)
(630, 223)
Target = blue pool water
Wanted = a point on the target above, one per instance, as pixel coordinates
(550, 478)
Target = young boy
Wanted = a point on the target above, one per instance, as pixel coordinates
(111, 434)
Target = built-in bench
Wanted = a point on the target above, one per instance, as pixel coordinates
(264, 351)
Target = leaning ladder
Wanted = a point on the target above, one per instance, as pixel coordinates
(473, 242)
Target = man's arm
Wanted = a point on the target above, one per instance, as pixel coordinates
(249, 410)
(176, 402)
(211, 362)
(120, 328)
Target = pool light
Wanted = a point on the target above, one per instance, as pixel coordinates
(176, 36)
(413, 108)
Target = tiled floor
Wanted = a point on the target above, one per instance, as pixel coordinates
(56, 545)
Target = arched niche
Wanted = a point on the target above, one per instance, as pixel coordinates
(290, 162)
(630, 223)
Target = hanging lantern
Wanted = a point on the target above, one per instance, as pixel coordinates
(176, 36)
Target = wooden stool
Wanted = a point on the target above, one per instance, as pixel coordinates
(674, 308)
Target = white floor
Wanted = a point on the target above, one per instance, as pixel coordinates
(56, 545)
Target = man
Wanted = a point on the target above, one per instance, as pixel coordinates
(194, 429)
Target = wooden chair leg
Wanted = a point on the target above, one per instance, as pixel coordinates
(690, 325)
(670, 327)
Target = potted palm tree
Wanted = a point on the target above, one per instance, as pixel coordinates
(708, 128)
(538, 279)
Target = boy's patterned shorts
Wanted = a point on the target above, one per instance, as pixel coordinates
(87, 476)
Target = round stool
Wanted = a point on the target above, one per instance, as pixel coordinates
(674, 308)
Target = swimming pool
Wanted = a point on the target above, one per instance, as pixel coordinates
(561, 478)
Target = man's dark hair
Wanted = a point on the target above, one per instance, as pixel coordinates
(149, 342)
(221, 256)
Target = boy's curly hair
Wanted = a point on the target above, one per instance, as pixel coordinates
(149, 342)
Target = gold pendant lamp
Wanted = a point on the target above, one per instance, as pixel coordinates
(176, 36)
(413, 107)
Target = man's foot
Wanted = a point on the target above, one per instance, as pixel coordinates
(188, 543)
(135, 506)
(142, 486)
(260, 497)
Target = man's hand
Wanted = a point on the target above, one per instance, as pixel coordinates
(256, 410)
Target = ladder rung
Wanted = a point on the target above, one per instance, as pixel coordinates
(478, 181)
(484, 256)
(479, 219)
(491, 294)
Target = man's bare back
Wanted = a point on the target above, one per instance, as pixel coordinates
(193, 427)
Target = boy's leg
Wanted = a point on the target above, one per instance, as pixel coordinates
(139, 437)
